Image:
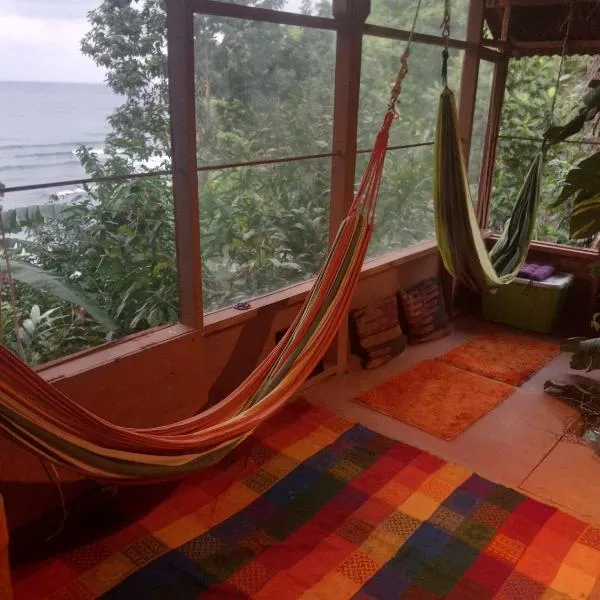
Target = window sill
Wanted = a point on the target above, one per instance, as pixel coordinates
(226, 318)
(91, 358)
(587, 254)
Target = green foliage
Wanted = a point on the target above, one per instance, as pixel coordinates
(117, 245)
(39, 279)
(528, 100)
(581, 196)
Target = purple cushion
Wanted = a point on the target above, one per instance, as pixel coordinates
(543, 272)
(536, 272)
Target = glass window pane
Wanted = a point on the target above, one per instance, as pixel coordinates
(404, 214)
(531, 86)
(67, 86)
(112, 249)
(262, 90)
(420, 91)
(512, 162)
(263, 228)
(400, 14)
(77, 105)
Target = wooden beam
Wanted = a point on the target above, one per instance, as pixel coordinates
(351, 15)
(536, 3)
(424, 38)
(182, 99)
(554, 47)
(418, 38)
(469, 77)
(253, 13)
(486, 178)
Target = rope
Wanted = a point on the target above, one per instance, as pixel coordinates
(445, 26)
(397, 87)
(562, 63)
(53, 476)
(11, 289)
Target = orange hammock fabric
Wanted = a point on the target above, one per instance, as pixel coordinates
(47, 422)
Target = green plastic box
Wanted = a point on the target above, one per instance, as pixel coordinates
(526, 304)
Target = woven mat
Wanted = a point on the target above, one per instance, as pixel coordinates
(502, 356)
(436, 397)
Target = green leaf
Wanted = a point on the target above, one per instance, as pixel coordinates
(43, 280)
(35, 313)
(585, 218)
(28, 326)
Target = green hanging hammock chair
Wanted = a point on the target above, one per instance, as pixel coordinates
(459, 238)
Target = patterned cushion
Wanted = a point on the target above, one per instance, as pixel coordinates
(375, 334)
(425, 311)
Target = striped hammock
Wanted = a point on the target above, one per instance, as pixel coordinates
(47, 422)
(459, 238)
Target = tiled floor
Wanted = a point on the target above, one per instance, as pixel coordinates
(521, 443)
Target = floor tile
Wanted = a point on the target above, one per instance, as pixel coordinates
(569, 477)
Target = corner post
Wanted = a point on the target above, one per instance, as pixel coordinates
(470, 77)
(486, 178)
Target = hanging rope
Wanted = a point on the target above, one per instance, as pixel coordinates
(397, 87)
(445, 27)
(561, 64)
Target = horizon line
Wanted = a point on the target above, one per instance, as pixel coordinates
(55, 81)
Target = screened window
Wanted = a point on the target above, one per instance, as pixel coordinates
(404, 214)
(264, 92)
(530, 89)
(108, 247)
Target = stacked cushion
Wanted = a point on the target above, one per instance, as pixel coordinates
(375, 333)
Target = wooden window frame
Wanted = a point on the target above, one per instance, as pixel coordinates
(349, 23)
(492, 135)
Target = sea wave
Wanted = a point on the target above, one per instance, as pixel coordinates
(23, 167)
(62, 153)
(49, 145)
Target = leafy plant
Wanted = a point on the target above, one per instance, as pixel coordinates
(581, 195)
(40, 279)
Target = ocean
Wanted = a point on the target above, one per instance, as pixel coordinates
(40, 126)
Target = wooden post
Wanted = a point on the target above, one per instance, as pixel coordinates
(486, 179)
(182, 112)
(182, 100)
(351, 14)
(470, 76)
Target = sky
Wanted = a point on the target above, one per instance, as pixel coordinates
(40, 41)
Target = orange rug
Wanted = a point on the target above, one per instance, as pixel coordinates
(436, 397)
(502, 356)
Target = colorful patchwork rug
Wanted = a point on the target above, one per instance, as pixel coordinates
(316, 507)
